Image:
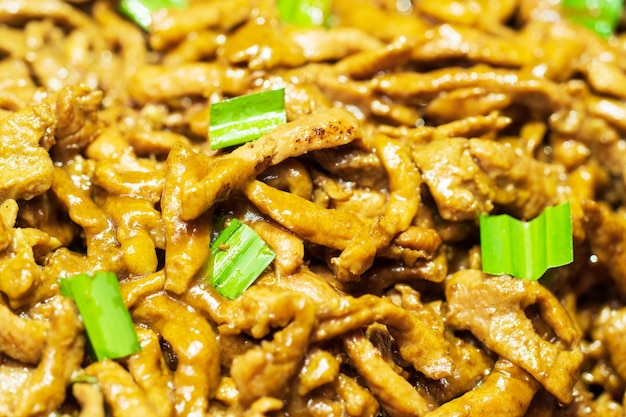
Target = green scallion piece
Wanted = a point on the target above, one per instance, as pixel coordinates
(601, 16)
(305, 13)
(107, 321)
(140, 11)
(245, 118)
(238, 257)
(527, 249)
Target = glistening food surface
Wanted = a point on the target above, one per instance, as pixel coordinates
(406, 121)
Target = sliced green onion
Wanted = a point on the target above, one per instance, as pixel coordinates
(107, 321)
(304, 13)
(246, 118)
(601, 16)
(238, 257)
(527, 249)
(140, 11)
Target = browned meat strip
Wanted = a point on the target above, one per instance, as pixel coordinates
(26, 167)
(63, 352)
(508, 390)
(195, 344)
(476, 300)
(319, 131)
(20, 338)
(121, 392)
(394, 392)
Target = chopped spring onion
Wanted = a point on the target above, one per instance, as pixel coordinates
(107, 321)
(246, 118)
(304, 13)
(140, 11)
(238, 257)
(527, 249)
(601, 16)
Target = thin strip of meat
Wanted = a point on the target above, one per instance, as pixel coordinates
(64, 348)
(267, 369)
(536, 92)
(195, 344)
(25, 166)
(418, 343)
(507, 391)
(121, 392)
(154, 83)
(102, 246)
(325, 129)
(20, 338)
(395, 393)
(328, 227)
(151, 373)
(402, 205)
(187, 240)
(454, 41)
(329, 44)
(90, 399)
(170, 25)
(493, 309)
(262, 48)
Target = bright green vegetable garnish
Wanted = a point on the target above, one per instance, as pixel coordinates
(246, 118)
(527, 249)
(601, 16)
(304, 13)
(107, 321)
(140, 11)
(238, 257)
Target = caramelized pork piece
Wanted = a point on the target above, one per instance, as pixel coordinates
(540, 94)
(476, 301)
(44, 390)
(467, 177)
(77, 119)
(321, 130)
(195, 344)
(367, 63)
(172, 24)
(508, 390)
(262, 47)
(151, 372)
(187, 241)
(523, 185)
(21, 338)
(396, 395)
(606, 234)
(121, 392)
(459, 187)
(402, 204)
(418, 342)
(90, 399)
(266, 370)
(451, 41)
(25, 166)
(330, 44)
(153, 83)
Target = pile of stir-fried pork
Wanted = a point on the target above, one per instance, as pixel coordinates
(406, 121)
